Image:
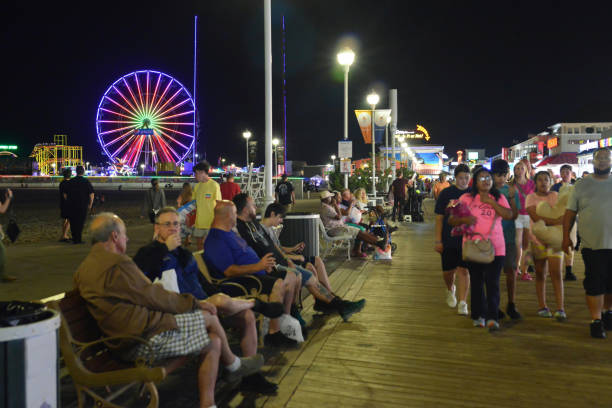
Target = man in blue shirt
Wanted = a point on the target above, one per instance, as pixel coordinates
(166, 253)
(228, 256)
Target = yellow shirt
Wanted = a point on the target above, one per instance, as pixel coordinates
(206, 196)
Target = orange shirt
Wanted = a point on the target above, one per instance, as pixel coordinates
(439, 187)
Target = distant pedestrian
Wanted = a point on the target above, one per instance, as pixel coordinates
(399, 190)
(6, 201)
(440, 185)
(64, 211)
(206, 193)
(590, 201)
(154, 200)
(284, 192)
(80, 196)
(228, 188)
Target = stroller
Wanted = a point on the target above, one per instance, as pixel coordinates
(379, 227)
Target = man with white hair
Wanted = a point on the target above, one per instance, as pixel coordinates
(124, 302)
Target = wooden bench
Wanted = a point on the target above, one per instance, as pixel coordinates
(92, 359)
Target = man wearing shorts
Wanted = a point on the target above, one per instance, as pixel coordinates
(590, 201)
(206, 193)
(229, 256)
(449, 247)
(124, 302)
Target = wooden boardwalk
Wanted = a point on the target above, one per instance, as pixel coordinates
(408, 349)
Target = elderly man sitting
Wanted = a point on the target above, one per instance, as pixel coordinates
(125, 302)
(165, 253)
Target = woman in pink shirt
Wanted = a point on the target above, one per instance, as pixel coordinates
(524, 186)
(487, 207)
(544, 256)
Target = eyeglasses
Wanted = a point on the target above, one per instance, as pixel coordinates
(169, 224)
(484, 178)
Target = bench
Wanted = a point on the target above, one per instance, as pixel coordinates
(92, 361)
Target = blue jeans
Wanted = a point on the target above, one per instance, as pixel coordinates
(481, 276)
(303, 272)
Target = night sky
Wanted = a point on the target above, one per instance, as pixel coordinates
(475, 74)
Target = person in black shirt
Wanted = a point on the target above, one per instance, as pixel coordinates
(79, 195)
(258, 239)
(448, 246)
(284, 192)
(64, 211)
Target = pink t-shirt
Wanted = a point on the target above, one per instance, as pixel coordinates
(523, 191)
(485, 216)
(533, 200)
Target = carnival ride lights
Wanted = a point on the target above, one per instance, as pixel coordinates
(146, 117)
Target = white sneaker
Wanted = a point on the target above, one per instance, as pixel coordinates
(463, 308)
(451, 300)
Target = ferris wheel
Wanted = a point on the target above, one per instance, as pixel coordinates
(146, 117)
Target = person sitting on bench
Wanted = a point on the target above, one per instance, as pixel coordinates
(124, 302)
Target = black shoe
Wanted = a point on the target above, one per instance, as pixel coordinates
(530, 269)
(512, 312)
(569, 276)
(597, 329)
(500, 314)
(347, 309)
(278, 339)
(606, 318)
(258, 383)
(392, 230)
(268, 309)
(323, 307)
(382, 244)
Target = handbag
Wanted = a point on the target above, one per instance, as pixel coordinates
(479, 250)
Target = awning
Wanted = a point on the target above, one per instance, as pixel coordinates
(563, 158)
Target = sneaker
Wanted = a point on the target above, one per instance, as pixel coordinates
(323, 307)
(451, 300)
(492, 325)
(606, 318)
(500, 314)
(295, 312)
(268, 309)
(248, 366)
(560, 316)
(347, 309)
(597, 329)
(480, 322)
(512, 312)
(278, 340)
(257, 383)
(525, 276)
(544, 312)
(463, 308)
(569, 276)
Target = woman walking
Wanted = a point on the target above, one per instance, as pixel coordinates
(524, 186)
(487, 208)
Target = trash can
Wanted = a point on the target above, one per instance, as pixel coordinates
(29, 361)
(301, 227)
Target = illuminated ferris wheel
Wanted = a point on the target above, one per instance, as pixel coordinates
(146, 117)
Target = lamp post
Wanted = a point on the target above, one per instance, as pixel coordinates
(387, 151)
(346, 57)
(142, 166)
(246, 134)
(373, 99)
(275, 143)
(333, 157)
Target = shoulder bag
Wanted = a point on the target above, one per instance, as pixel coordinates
(479, 250)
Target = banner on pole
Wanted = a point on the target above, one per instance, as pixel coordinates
(365, 123)
(380, 124)
(345, 166)
(345, 149)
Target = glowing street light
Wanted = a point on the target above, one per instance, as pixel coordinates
(373, 99)
(333, 157)
(346, 57)
(246, 134)
(142, 166)
(275, 143)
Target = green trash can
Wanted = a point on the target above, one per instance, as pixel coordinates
(301, 227)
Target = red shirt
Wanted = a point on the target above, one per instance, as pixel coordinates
(229, 189)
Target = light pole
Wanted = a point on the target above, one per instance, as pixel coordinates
(346, 58)
(275, 143)
(142, 166)
(387, 152)
(246, 134)
(333, 157)
(373, 99)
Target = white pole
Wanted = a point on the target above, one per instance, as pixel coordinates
(247, 154)
(269, 196)
(393, 105)
(346, 72)
(386, 156)
(373, 154)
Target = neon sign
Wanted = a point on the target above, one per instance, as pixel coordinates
(423, 131)
(8, 147)
(552, 143)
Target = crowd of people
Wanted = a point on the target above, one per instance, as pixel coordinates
(488, 221)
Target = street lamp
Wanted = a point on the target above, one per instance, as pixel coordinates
(87, 164)
(275, 143)
(333, 157)
(373, 99)
(246, 134)
(345, 58)
(142, 166)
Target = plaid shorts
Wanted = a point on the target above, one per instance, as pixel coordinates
(190, 338)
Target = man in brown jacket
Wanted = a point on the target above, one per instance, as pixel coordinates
(125, 302)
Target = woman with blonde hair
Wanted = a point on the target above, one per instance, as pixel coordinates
(361, 198)
(185, 196)
(524, 186)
